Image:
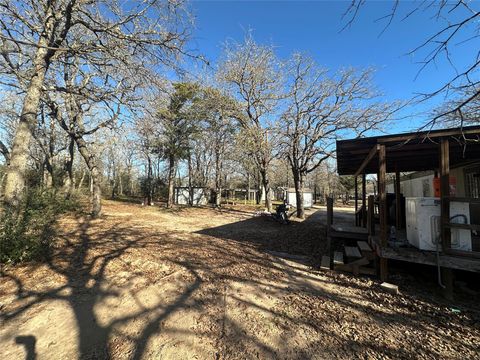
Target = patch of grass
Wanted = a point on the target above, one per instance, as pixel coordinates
(27, 233)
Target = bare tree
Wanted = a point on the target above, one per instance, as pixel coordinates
(8, 123)
(459, 26)
(178, 123)
(35, 32)
(5, 152)
(85, 100)
(254, 75)
(319, 109)
(469, 114)
(219, 112)
(147, 145)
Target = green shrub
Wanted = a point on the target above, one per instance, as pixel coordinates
(27, 233)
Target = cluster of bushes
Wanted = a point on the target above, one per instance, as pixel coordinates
(27, 232)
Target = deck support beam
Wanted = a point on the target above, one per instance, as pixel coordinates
(371, 216)
(328, 230)
(398, 204)
(356, 200)
(444, 161)
(367, 160)
(445, 192)
(447, 280)
(382, 172)
(364, 200)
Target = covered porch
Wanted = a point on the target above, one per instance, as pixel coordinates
(437, 150)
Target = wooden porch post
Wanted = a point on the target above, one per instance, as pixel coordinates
(445, 192)
(447, 274)
(364, 200)
(329, 223)
(356, 200)
(398, 204)
(371, 215)
(382, 170)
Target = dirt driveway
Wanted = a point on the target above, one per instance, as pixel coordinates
(210, 284)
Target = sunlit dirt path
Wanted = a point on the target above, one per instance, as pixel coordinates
(209, 284)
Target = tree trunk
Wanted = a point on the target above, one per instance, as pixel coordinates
(266, 187)
(190, 187)
(171, 181)
(5, 152)
(69, 183)
(17, 168)
(91, 161)
(248, 188)
(114, 182)
(298, 181)
(1, 182)
(218, 178)
(82, 179)
(97, 193)
(260, 189)
(149, 201)
(132, 186)
(47, 174)
(120, 184)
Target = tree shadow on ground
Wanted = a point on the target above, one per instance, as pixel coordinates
(220, 276)
(302, 238)
(82, 259)
(415, 310)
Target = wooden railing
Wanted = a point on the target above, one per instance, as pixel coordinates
(360, 216)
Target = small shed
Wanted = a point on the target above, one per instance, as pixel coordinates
(197, 195)
(291, 197)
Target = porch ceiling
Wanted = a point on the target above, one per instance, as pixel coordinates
(417, 151)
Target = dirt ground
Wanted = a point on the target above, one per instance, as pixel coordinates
(144, 282)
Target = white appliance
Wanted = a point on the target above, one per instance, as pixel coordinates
(423, 223)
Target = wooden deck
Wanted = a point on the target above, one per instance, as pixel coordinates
(430, 258)
(414, 255)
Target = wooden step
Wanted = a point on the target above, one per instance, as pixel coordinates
(363, 246)
(356, 267)
(338, 258)
(348, 232)
(325, 265)
(356, 270)
(352, 252)
(349, 229)
(366, 250)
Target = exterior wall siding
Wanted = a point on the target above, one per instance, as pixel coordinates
(423, 186)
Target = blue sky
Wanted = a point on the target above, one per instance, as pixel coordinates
(314, 27)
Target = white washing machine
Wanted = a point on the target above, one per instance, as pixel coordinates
(423, 223)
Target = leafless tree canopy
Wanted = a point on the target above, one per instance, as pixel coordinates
(321, 107)
(88, 106)
(86, 50)
(253, 74)
(459, 26)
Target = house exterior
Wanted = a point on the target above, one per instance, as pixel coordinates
(464, 182)
(454, 153)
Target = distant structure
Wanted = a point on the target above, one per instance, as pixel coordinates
(195, 196)
(290, 195)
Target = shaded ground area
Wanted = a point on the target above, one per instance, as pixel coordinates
(211, 284)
